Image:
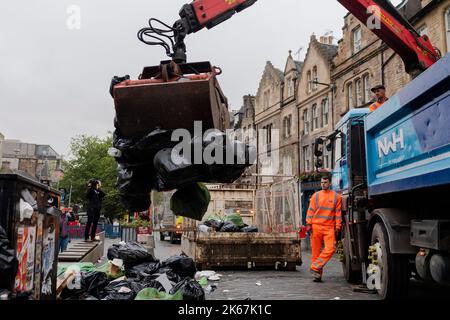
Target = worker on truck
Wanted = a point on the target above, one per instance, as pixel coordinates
(323, 223)
(380, 93)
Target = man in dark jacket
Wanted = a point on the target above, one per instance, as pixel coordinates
(94, 197)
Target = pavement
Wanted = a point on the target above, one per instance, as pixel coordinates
(289, 285)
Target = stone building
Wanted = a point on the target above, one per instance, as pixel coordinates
(315, 100)
(364, 61)
(40, 162)
(246, 131)
(276, 122)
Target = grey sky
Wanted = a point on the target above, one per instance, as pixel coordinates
(54, 82)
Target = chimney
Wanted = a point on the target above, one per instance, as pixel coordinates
(330, 39)
(323, 40)
(6, 167)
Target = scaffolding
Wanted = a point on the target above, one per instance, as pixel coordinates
(278, 207)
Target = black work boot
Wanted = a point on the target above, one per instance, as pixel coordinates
(317, 277)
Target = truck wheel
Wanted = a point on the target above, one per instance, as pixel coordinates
(352, 276)
(394, 267)
(161, 236)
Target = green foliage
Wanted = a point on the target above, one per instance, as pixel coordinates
(157, 198)
(136, 223)
(314, 176)
(90, 159)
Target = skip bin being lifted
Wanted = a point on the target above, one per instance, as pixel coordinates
(276, 246)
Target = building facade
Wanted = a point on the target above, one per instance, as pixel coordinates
(276, 121)
(39, 162)
(315, 100)
(245, 131)
(364, 61)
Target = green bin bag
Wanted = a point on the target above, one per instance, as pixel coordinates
(154, 294)
(191, 201)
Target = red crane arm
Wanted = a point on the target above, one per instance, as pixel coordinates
(380, 16)
(383, 19)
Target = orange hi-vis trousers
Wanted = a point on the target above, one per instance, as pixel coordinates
(322, 234)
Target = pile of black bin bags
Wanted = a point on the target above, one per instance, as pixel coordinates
(147, 164)
(142, 271)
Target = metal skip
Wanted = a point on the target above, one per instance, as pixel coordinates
(171, 96)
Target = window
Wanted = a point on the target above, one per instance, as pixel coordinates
(350, 96)
(269, 134)
(315, 112)
(315, 78)
(285, 127)
(290, 92)
(447, 28)
(306, 159)
(357, 40)
(423, 30)
(266, 99)
(287, 166)
(287, 123)
(309, 84)
(324, 112)
(359, 92)
(267, 139)
(306, 121)
(367, 92)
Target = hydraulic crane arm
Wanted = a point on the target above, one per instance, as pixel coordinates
(380, 16)
(383, 19)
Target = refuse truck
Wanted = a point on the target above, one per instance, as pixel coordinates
(168, 224)
(392, 168)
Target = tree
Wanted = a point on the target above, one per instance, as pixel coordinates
(90, 159)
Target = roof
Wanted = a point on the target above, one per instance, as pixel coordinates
(279, 73)
(327, 50)
(298, 65)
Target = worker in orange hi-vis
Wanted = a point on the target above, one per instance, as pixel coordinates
(323, 223)
(380, 93)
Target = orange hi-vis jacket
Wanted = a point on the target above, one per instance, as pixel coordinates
(325, 209)
(374, 106)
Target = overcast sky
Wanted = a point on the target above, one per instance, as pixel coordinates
(54, 81)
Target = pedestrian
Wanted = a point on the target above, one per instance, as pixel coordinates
(380, 93)
(63, 230)
(94, 197)
(323, 223)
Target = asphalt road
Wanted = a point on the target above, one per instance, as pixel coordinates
(284, 285)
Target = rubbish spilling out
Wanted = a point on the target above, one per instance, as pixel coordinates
(134, 274)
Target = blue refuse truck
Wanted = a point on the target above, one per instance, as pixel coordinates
(392, 168)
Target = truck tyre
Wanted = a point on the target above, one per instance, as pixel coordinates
(394, 267)
(352, 276)
(161, 236)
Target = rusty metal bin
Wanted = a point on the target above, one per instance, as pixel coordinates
(148, 103)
